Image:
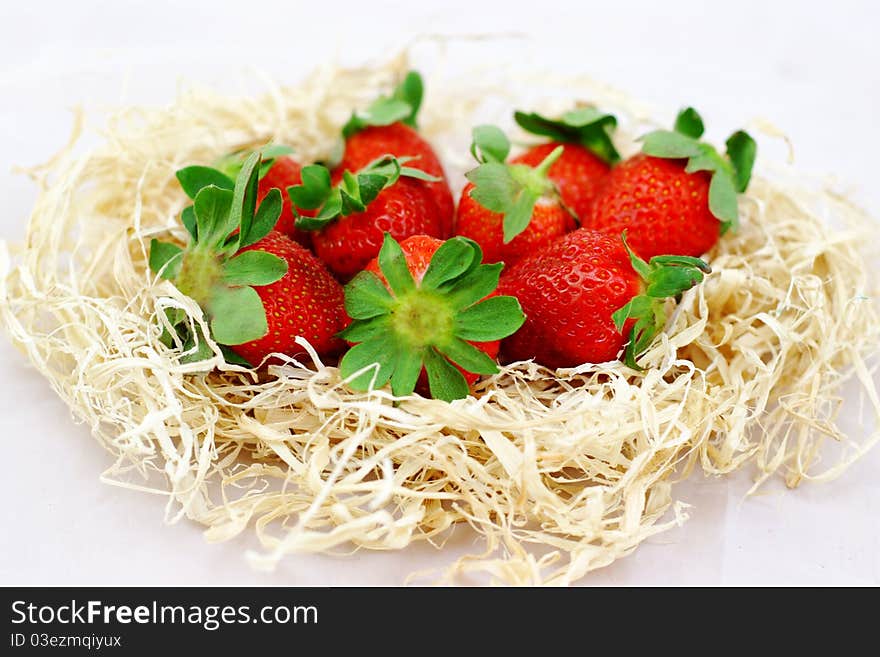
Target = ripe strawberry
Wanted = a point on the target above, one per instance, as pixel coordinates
(307, 301)
(509, 209)
(423, 307)
(679, 194)
(358, 210)
(388, 127)
(585, 134)
(258, 288)
(582, 291)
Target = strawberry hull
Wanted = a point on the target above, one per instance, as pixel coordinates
(578, 173)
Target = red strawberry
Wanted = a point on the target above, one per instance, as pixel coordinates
(307, 302)
(509, 209)
(579, 294)
(258, 288)
(284, 172)
(359, 209)
(426, 306)
(388, 127)
(403, 142)
(588, 152)
(679, 194)
(548, 221)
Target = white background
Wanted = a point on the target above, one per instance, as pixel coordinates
(811, 71)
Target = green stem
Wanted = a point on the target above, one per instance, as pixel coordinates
(549, 161)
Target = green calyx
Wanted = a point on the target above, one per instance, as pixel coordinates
(586, 126)
(226, 169)
(401, 106)
(352, 194)
(407, 325)
(663, 277)
(211, 269)
(730, 172)
(508, 189)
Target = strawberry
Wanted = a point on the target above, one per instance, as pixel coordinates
(677, 196)
(588, 152)
(307, 301)
(582, 291)
(277, 171)
(388, 127)
(422, 307)
(354, 214)
(258, 288)
(509, 209)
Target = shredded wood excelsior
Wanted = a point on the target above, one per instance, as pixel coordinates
(560, 472)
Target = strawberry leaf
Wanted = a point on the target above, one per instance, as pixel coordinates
(374, 351)
(233, 358)
(165, 259)
(742, 151)
(586, 126)
(361, 330)
(453, 258)
(492, 319)
(392, 262)
(351, 195)
(382, 112)
(196, 349)
(518, 216)
(476, 285)
(469, 357)
(366, 296)
(490, 144)
(663, 276)
(444, 380)
(237, 315)
(418, 174)
(254, 268)
(411, 91)
(212, 209)
(670, 145)
(722, 199)
(244, 198)
(188, 219)
(689, 123)
(406, 374)
(265, 218)
(402, 106)
(312, 193)
(494, 186)
(195, 178)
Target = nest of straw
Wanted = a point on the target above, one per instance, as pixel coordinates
(559, 472)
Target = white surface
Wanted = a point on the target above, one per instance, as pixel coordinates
(810, 71)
